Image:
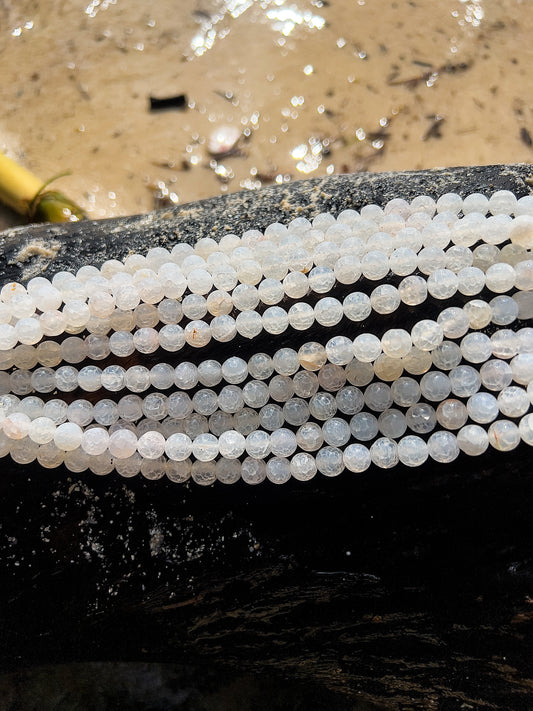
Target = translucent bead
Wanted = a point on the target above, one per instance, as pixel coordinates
(230, 399)
(16, 425)
(43, 379)
(375, 265)
(95, 441)
(80, 412)
(331, 377)
(76, 313)
(364, 426)
(283, 442)
(496, 375)
(245, 297)
(476, 202)
(479, 313)
(384, 453)
(471, 281)
(347, 269)
(385, 299)
(459, 258)
(296, 412)
(502, 202)
(296, 285)
(356, 458)
(339, 350)
(41, 430)
(328, 312)
(443, 447)
(253, 471)
(73, 350)
(442, 283)
(48, 353)
(25, 357)
(228, 471)
(496, 229)
(137, 378)
(521, 231)
(275, 320)
(281, 388)
(205, 447)
(209, 373)
(450, 202)
(504, 435)
(203, 473)
(412, 451)
(513, 401)
(312, 356)
(413, 290)
(185, 375)
(366, 347)
(476, 347)
(303, 466)
(249, 324)
(482, 408)
(500, 277)
(405, 392)
(417, 362)
(28, 330)
(392, 423)
(403, 261)
(285, 361)
(336, 432)
(421, 418)
(484, 255)
(178, 447)
(451, 414)
(105, 412)
(504, 310)
(260, 366)
(68, 436)
(431, 259)
(321, 279)
(526, 429)
(378, 396)
(465, 380)
(357, 306)
(472, 440)
(305, 384)
(198, 333)
(194, 306)
(427, 335)
(454, 322)
(169, 311)
(278, 470)
(329, 461)
(505, 343)
(56, 410)
(310, 437)
(446, 356)
(146, 316)
(322, 406)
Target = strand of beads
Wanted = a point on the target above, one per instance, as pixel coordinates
(334, 254)
(135, 282)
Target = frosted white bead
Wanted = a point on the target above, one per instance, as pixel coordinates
(68, 436)
(356, 458)
(443, 447)
(412, 451)
(427, 335)
(357, 306)
(385, 299)
(275, 320)
(504, 435)
(525, 428)
(384, 453)
(500, 277)
(413, 290)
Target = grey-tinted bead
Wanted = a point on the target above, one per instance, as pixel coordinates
(421, 418)
(364, 426)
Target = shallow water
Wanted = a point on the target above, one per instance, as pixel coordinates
(314, 87)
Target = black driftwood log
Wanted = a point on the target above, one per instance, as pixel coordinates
(401, 589)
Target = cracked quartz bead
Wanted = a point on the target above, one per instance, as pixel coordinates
(482, 408)
(421, 418)
(364, 426)
(504, 435)
(356, 458)
(278, 470)
(443, 447)
(384, 453)
(513, 401)
(412, 451)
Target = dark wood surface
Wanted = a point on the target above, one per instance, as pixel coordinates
(406, 589)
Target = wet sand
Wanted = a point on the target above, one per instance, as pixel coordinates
(313, 88)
